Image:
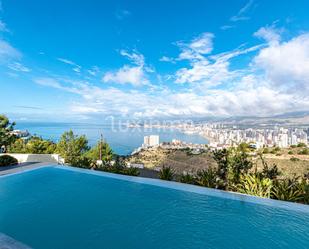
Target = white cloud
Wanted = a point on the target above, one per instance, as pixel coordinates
(130, 74)
(122, 14)
(269, 34)
(74, 87)
(127, 75)
(7, 52)
(66, 61)
(241, 15)
(207, 70)
(93, 71)
(202, 44)
(48, 82)
(226, 27)
(252, 93)
(76, 68)
(3, 27)
(204, 72)
(134, 57)
(286, 64)
(274, 82)
(199, 46)
(16, 66)
(167, 59)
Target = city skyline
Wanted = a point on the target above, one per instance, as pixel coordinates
(77, 61)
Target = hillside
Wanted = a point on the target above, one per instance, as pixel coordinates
(290, 165)
(180, 160)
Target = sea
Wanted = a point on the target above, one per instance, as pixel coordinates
(122, 139)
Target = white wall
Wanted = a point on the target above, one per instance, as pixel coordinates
(49, 158)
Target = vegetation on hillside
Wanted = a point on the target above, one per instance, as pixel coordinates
(101, 149)
(35, 145)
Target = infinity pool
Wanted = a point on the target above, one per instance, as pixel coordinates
(66, 208)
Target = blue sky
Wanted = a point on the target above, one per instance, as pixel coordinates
(86, 60)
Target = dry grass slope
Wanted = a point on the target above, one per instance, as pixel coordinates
(183, 161)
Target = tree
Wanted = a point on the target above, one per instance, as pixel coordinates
(222, 159)
(240, 164)
(37, 145)
(19, 146)
(6, 128)
(71, 147)
(94, 152)
(232, 163)
(270, 172)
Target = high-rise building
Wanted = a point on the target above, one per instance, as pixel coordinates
(150, 141)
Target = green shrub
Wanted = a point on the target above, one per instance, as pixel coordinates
(81, 162)
(166, 173)
(290, 152)
(301, 145)
(106, 152)
(7, 160)
(207, 178)
(304, 151)
(276, 149)
(304, 188)
(271, 172)
(19, 146)
(255, 185)
(110, 168)
(119, 169)
(294, 159)
(287, 190)
(187, 178)
(131, 171)
(37, 145)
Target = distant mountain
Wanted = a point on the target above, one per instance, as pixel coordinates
(290, 118)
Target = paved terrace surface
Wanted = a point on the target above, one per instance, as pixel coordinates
(21, 167)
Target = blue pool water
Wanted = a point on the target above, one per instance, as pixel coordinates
(54, 208)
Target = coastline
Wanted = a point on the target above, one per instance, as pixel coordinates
(123, 141)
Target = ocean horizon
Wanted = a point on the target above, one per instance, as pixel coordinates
(123, 140)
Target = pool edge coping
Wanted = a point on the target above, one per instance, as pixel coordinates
(181, 187)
